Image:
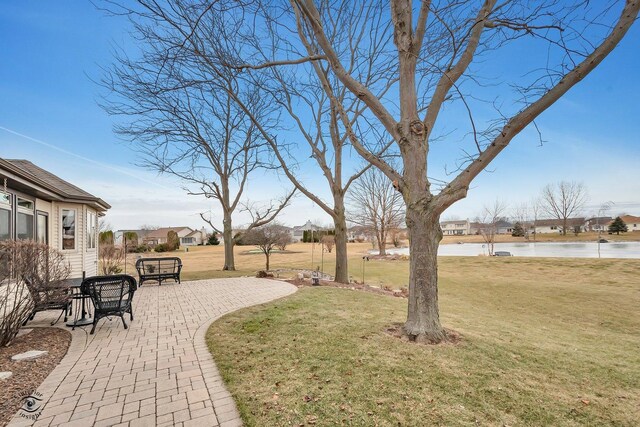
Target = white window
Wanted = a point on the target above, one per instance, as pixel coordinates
(68, 229)
(91, 230)
(42, 228)
(5, 216)
(24, 219)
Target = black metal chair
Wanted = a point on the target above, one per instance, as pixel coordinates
(111, 296)
(48, 296)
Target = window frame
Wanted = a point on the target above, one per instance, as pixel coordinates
(75, 229)
(25, 211)
(91, 228)
(8, 206)
(47, 227)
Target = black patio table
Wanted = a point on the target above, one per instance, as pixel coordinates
(75, 284)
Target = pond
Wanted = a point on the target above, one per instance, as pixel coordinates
(542, 249)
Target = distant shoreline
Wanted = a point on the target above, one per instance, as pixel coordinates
(545, 238)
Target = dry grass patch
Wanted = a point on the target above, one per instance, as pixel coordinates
(544, 342)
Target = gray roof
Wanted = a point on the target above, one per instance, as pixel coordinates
(39, 177)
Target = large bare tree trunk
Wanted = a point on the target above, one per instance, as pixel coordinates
(340, 224)
(425, 234)
(227, 233)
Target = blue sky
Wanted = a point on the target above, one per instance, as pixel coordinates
(49, 115)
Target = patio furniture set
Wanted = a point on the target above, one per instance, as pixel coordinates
(109, 295)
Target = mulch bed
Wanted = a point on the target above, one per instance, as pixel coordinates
(28, 375)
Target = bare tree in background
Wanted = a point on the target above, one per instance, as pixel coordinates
(377, 205)
(267, 238)
(536, 209)
(521, 214)
(103, 225)
(186, 125)
(315, 102)
(563, 200)
(488, 223)
(328, 241)
(432, 49)
(111, 258)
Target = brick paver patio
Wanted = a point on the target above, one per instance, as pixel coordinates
(157, 372)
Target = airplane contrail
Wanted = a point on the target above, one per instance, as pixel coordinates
(86, 159)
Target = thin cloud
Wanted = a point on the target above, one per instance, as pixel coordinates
(86, 159)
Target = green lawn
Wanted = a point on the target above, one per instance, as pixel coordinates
(545, 342)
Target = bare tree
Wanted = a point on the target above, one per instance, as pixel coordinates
(314, 101)
(377, 205)
(185, 124)
(563, 200)
(521, 214)
(431, 49)
(602, 211)
(328, 242)
(103, 225)
(536, 209)
(435, 51)
(21, 261)
(488, 223)
(267, 238)
(111, 258)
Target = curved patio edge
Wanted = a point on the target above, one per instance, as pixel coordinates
(159, 372)
(223, 404)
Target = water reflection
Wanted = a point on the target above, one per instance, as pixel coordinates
(547, 249)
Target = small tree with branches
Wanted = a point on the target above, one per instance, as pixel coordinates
(488, 223)
(563, 200)
(377, 205)
(267, 238)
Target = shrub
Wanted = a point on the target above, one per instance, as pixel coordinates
(111, 258)
(238, 239)
(141, 248)
(518, 230)
(173, 241)
(106, 237)
(19, 260)
(263, 274)
(328, 241)
(162, 247)
(213, 240)
(130, 239)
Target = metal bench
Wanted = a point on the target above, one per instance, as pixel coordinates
(158, 269)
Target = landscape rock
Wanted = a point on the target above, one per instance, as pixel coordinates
(5, 375)
(28, 355)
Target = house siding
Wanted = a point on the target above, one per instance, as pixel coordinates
(79, 258)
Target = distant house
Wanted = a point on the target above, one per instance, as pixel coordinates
(456, 228)
(556, 225)
(297, 232)
(37, 205)
(195, 238)
(598, 223)
(118, 236)
(359, 233)
(503, 227)
(633, 222)
(187, 236)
